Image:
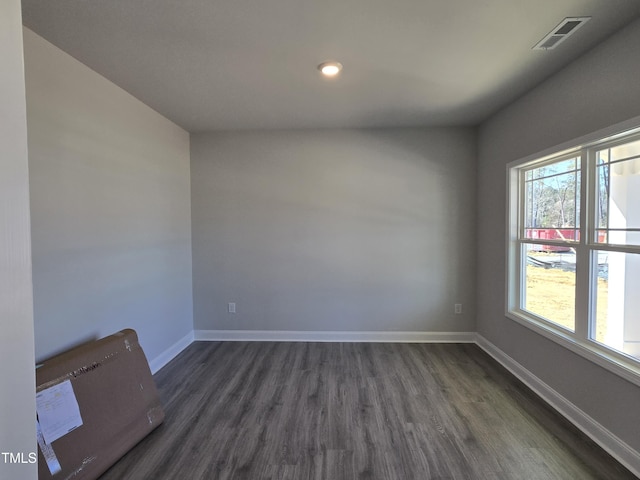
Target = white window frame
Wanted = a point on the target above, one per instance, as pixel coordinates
(577, 341)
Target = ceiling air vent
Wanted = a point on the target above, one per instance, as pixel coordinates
(568, 26)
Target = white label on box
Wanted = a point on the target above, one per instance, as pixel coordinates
(58, 411)
(47, 452)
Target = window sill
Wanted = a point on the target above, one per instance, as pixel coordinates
(628, 369)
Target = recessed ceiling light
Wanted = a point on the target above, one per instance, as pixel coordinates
(330, 69)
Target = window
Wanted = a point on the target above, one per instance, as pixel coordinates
(574, 249)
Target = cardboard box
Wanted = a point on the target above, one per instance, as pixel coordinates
(94, 403)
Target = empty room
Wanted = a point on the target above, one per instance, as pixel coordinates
(343, 240)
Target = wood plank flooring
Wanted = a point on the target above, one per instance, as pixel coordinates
(343, 411)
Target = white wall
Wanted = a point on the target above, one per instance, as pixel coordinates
(17, 374)
(596, 91)
(334, 230)
(110, 208)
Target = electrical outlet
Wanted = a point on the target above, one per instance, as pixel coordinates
(232, 307)
(457, 308)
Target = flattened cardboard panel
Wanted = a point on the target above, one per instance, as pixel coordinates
(118, 403)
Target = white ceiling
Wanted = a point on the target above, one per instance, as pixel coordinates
(251, 64)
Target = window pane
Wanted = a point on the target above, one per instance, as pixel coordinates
(618, 237)
(550, 285)
(554, 234)
(552, 200)
(618, 305)
(618, 206)
(627, 150)
(556, 168)
(603, 175)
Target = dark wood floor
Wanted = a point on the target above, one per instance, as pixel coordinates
(343, 411)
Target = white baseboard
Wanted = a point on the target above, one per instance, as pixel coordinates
(616, 447)
(170, 353)
(308, 336)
